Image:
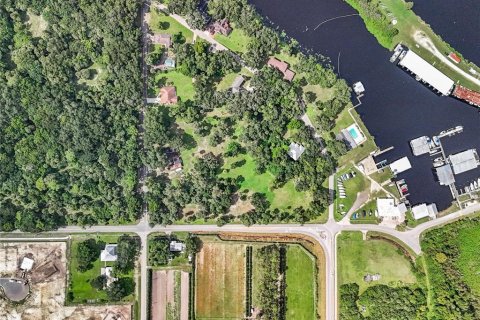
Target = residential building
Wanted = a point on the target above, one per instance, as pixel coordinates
(168, 95)
(295, 150)
(162, 39)
(177, 246)
(221, 27)
(282, 67)
(109, 254)
(237, 84)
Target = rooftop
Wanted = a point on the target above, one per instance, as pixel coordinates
(295, 150)
(162, 38)
(176, 246)
(387, 209)
(420, 145)
(237, 83)
(109, 254)
(423, 210)
(445, 175)
(401, 165)
(168, 95)
(464, 161)
(427, 73)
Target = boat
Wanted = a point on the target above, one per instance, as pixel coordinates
(436, 140)
(467, 189)
(478, 181)
(471, 186)
(475, 184)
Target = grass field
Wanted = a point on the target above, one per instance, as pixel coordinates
(370, 206)
(220, 281)
(182, 83)
(300, 277)
(157, 17)
(468, 261)
(236, 41)
(80, 281)
(282, 198)
(357, 257)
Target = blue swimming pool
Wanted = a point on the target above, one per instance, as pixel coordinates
(353, 132)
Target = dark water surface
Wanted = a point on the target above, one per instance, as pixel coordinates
(456, 21)
(395, 108)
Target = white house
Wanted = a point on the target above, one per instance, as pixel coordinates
(176, 246)
(108, 273)
(109, 254)
(388, 210)
(423, 210)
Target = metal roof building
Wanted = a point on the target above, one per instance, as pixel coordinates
(420, 145)
(464, 161)
(427, 73)
(295, 150)
(423, 210)
(401, 165)
(445, 175)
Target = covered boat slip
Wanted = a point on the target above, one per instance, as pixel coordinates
(426, 72)
(464, 161)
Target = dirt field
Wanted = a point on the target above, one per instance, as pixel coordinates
(168, 286)
(47, 282)
(220, 281)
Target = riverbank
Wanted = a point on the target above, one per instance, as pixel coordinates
(417, 35)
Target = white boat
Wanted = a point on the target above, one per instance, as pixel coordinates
(467, 189)
(478, 181)
(475, 185)
(471, 186)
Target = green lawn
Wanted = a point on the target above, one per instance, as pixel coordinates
(226, 82)
(363, 150)
(468, 261)
(183, 84)
(300, 277)
(236, 41)
(157, 17)
(358, 257)
(80, 281)
(352, 187)
(383, 175)
(283, 198)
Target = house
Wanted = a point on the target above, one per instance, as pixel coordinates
(295, 150)
(423, 210)
(387, 209)
(162, 39)
(220, 26)
(109, 254)
(176, 246)
(27, 264)
(168, 95)
(282, 67)
(108, 273)
(174, 160)
(237, 83)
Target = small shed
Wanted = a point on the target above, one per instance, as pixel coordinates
(27, 264)
(237, 84)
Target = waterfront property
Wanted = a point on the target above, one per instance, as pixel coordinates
(464, 161)
(400, 165)
(353, 136)
(281, 66)
(423, 210)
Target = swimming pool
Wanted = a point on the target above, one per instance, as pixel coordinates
(353, 133)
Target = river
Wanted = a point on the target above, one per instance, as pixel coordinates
(395, 108)
(462, 28)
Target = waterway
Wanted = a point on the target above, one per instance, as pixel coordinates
(456, 21)
(395, 108)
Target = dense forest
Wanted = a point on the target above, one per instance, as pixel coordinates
(70, 90)
(452, 296)
(381, 302)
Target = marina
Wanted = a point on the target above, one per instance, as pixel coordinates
(395, 107)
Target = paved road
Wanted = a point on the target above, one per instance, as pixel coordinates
(324, 234)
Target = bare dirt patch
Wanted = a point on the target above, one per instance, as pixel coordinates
(220, 276)
(47, 284)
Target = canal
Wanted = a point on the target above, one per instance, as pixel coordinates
(395, 108)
